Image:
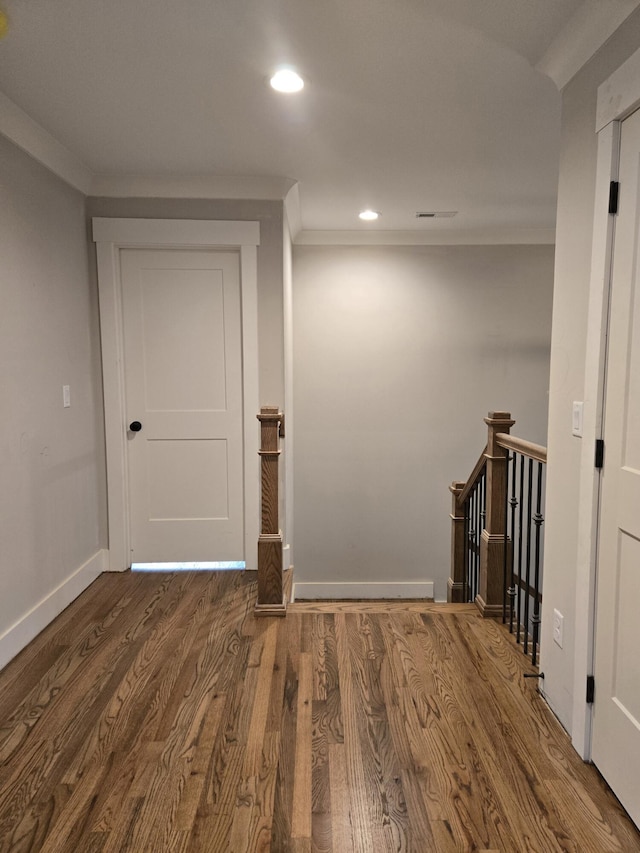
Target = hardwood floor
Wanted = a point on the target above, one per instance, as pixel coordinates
(158, 714)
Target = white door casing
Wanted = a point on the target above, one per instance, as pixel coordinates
(111, 237)
(183, 386)
(616, 717)
(618, 97)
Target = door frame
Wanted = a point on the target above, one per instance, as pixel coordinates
(111, 235)
(618, 97)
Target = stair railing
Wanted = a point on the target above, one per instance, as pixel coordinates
(524, 541)
(497, 532)
(467, 524)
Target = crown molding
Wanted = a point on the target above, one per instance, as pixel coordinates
(442, 237)
(27, 134)
(191, 186)
(583, 34)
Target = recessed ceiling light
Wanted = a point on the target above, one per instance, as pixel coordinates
(368, 215)
(287, 80)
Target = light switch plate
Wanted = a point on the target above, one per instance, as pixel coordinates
(66, 396)
(576, 423)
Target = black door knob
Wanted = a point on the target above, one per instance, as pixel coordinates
(135, 426)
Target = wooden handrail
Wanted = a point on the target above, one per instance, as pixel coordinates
(473, 477)
(519, 445)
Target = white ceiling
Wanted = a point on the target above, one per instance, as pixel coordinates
(410, 104)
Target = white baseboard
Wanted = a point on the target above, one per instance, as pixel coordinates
(316, 591)
(28, 626)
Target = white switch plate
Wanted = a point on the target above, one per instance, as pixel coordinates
(66, 396)
(558, 627)
(576, 424)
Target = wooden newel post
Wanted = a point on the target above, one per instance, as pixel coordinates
(491, 582)
(456, 591)
(271, 600)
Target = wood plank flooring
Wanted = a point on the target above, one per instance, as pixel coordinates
(158, 714)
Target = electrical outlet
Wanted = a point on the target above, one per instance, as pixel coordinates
(558, 627)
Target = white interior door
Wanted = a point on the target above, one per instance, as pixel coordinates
(183, 385)
(616, 716)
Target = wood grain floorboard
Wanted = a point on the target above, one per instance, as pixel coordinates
(157, 713)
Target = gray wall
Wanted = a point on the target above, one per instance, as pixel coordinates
(53, 499)
(270, 265)
(399, 353)
(571, 292)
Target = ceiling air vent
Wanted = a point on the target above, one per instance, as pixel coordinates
(435, 214)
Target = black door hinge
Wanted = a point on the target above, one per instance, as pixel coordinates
(591, 689)
(614, 187)
(599, 460)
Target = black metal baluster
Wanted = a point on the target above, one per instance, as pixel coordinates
(519, 574)
(505, 540)
(478, 533)
(471, 538)
(538, 520)
(482, 506)
(476, 523)
(466, 551)
(513, 501)
(528, 570)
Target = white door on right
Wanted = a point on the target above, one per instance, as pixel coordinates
(616, 718)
